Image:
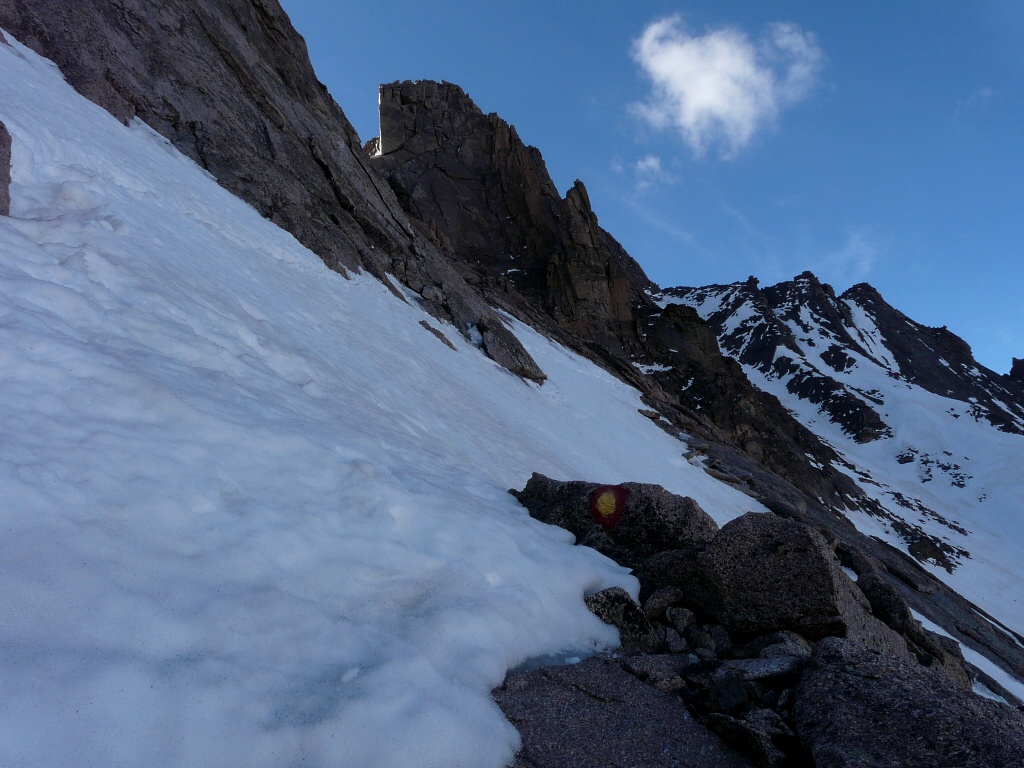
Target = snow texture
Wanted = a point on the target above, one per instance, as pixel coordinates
(254, 514)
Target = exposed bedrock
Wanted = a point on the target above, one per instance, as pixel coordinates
(5, 168)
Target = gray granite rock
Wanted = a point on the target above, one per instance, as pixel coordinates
(860, 708)
(763, 573)
(657, 604)
(781, 643)
(653, 520)
(752, 736)
(750, 670)
(614, 606)
(597, 715)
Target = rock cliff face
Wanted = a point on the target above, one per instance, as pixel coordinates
(5, 168)
(488, 199)
(230, 84)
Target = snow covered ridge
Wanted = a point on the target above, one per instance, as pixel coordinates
(926, 432)
(255, 514)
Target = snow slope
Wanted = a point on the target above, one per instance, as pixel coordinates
(255, 514)
(942, 467)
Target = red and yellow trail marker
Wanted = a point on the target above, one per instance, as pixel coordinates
(607, 503)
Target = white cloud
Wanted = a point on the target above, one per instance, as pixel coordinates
(721, 88)
(649, 173)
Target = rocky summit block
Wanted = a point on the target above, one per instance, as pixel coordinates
(653, 519)
(763, 573)
(857, 708)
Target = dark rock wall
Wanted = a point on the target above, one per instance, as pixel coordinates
(229, 82)
(488, 198)
(5, 170)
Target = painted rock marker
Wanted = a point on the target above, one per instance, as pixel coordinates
(607, 504)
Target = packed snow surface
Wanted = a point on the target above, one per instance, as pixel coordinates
(254, 514)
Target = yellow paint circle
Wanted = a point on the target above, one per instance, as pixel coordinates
(606, 504)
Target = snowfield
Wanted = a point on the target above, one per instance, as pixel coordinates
(254, 514)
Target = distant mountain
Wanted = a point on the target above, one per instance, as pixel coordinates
(802, 334)
(926, 431)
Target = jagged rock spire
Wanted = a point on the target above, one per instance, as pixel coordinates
(488, 198)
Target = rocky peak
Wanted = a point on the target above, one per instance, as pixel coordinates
(806, 299)
(778, 331)
(1017, 370)
(488, 199)
(425, 114)
(939, 361)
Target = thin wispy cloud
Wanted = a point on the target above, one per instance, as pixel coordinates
(718, 90)
(650, 173)
(974, 105)
(852, 263)
(647, 173)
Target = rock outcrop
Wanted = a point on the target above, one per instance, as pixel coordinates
(856, 707)
(5, 169)
(230, 84)
(488, 199)
(1017, 371)
(763, 573)
(767, 642)
(653, 520)
(616, 720)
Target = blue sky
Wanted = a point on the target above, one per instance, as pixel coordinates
(871, 141)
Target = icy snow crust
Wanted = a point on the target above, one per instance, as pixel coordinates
(961, 479)
(254, 514)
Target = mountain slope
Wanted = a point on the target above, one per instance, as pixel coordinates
(229, 83)
(244, 522)
(303, 394)
(487, 202)
(932, 436)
